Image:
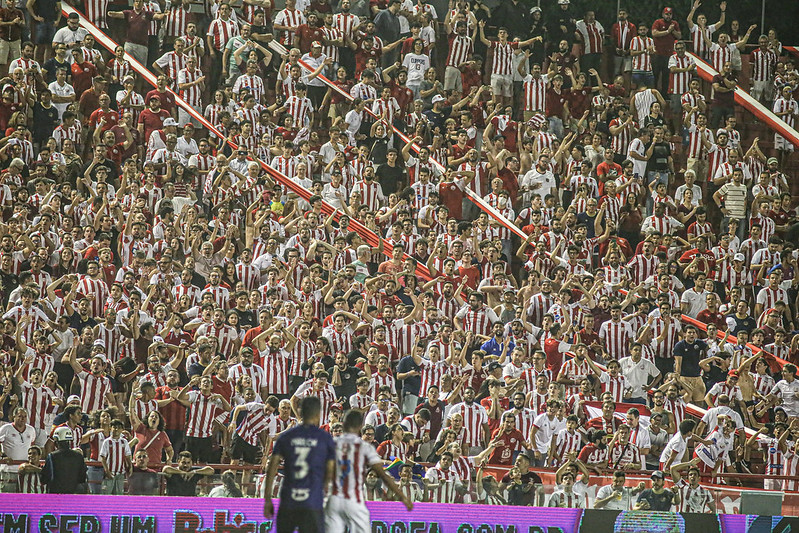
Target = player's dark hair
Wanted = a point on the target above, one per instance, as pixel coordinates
(310, 408)
(352, 421)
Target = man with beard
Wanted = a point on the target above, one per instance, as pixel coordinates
(476, 316)
(475, 419)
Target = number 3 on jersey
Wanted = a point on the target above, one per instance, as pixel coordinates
(301, 461)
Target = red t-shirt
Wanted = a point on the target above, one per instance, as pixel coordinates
(111, 119)
(664, 46)
(152, 120)
(510, 441)
(167, 99)
(306, 35)
(451, 196)
(82, 74)
(555, 102)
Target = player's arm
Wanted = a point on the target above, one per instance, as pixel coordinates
(330, 471)
(271, 472)
(389, 482)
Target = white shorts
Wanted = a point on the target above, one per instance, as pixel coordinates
(342, 513)
(502, 85)
(762, 90)
(782, 144)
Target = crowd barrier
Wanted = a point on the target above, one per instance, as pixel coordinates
(142, 514)
(744, 99)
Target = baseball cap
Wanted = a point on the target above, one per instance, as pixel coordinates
(315, 44)
(170, 122)
(772, 160)
(733, 373)
(668, 11)
(658, 474)
(739, 257)
(493, 366)
(563, 2)
(73, 398)
(438, 98)
(535, 8)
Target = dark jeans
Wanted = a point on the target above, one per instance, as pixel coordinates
(660, 69)
(719, 114)
(665, 365)
(588, 62)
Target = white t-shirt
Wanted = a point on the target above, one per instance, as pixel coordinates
(15, 444)
(417, 65)
(61, 90)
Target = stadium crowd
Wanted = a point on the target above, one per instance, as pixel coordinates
(168, 301)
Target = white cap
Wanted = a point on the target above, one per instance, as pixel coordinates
(170, 122)
(739, 257)
(438, 98)
(62, 434)
(563, 2)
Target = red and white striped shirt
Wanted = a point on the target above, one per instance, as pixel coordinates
(192, 95)
(177, 19)
(678, 81)
(346, 23)
(502, 58)
(291, 18)
(444, 492)
(535, 93)
(354, 457)
(95, 12)
(255, 84)
(474, 417)
(431, 374)
(201, 414)
(222, 31)
(94, 390)
(523, 420)
(225, 336)
(700, 38)
(593, 35)
(763, 62)
(565, 443)
(461, 48)
(641, 268)
(720, 55)
(616, 337)
(115, 452)
(276, 367)
(255, 422)
(642, 62)
(37, 401)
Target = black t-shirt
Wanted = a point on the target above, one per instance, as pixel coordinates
(437, 120)
(742, 324)
(657, 502)
(45, 120)
(411, 384)
(389, 178)
(52, 65)
(246, 318)
(177, 485)
(348, 378)
(691, 354)
(659, 162)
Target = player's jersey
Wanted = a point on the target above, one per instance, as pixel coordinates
(354, 457)
(305, 451)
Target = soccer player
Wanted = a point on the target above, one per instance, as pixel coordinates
(346, 507)
(310, 456)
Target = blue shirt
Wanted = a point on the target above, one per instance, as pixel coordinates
(492, 347)
(305, 451)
